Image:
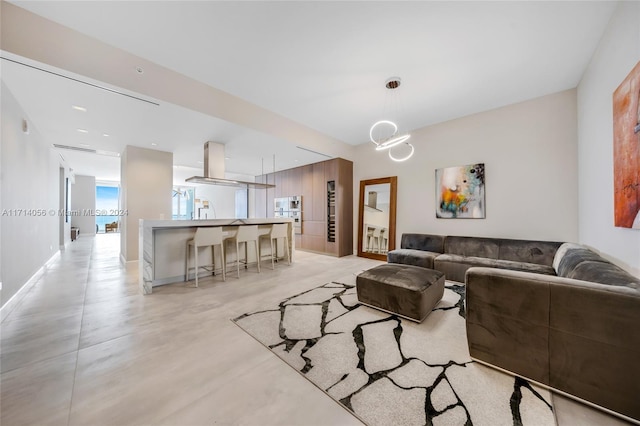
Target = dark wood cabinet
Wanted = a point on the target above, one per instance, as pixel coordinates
(320, 217)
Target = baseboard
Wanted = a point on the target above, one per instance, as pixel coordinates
(558, 391)
(15, 300)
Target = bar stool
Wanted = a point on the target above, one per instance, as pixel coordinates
(245, 234)
(384, 241)
(373, 239)
(369, 246)
(278, 230)
(376, 240)
(205, 236)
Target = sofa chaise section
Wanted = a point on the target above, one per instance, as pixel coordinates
(417, 250)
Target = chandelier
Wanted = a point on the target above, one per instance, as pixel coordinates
(384, 133)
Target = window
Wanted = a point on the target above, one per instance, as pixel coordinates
(182, 204)
(242, 205)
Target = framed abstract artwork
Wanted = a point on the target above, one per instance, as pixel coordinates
(626, 151)
(460, 192)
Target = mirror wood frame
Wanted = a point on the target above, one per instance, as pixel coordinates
(393, 181)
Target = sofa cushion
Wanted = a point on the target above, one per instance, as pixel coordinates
(425, 242)
(604, 273)
(525, 267)
(472, 246)
(467, 260)
(496, 263)
(539, 252)
(420, 258)
(573, 257)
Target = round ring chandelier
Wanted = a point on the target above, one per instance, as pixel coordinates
(393, 140)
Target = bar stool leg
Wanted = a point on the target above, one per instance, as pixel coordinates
(238, 258)
(195, 247)
(186, 264)
(223, 260)
(213, 260)
(255, 243)
(286, 248)
(273, 265)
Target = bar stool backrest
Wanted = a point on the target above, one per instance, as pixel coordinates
(208, 236)
(279, 230)
(247, 233)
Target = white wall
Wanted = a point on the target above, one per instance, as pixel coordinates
(30, 180)
(617, 53)
(83, 200)
(146, 185)
(530, 154)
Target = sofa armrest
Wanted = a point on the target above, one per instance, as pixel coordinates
(507, 316)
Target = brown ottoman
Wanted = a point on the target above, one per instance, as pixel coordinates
(406, 290)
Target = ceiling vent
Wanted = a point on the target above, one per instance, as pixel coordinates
(87, 150)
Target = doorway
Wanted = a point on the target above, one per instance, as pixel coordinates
(106, 205)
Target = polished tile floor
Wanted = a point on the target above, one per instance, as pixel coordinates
(84, 347)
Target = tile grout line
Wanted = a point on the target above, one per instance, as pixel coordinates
(84, 303)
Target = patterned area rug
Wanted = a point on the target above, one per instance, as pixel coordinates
(391, 371)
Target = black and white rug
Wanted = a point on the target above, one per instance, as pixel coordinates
(391, 371)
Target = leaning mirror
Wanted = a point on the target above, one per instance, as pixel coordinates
(377, 217)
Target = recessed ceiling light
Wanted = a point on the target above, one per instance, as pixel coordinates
(227, 158)
(200, 162)
(154, 144)
(79, 108)
(82, 130)
(106, 135)
(84, 144)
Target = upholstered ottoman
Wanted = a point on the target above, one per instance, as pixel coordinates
(406, 290)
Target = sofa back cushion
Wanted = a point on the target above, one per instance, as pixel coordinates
(526, 251)
(538, 252)
(561, 252)
(425, 242)
(472, 246)
(604, 273)
(572, 257)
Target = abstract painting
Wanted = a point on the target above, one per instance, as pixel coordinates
(626, 151)
(460, 192)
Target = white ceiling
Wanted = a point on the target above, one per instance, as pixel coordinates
(322, 64)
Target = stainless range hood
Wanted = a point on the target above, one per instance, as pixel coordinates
(214, 170)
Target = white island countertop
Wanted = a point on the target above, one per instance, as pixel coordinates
(162, 246)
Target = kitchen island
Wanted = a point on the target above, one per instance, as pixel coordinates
(163, 246)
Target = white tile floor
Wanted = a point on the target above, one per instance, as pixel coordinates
(83, 347)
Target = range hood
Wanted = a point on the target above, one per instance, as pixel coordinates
(214, 170)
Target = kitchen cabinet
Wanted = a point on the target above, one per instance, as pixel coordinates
(320, 217)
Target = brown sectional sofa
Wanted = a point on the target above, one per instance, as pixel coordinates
(556, 313)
